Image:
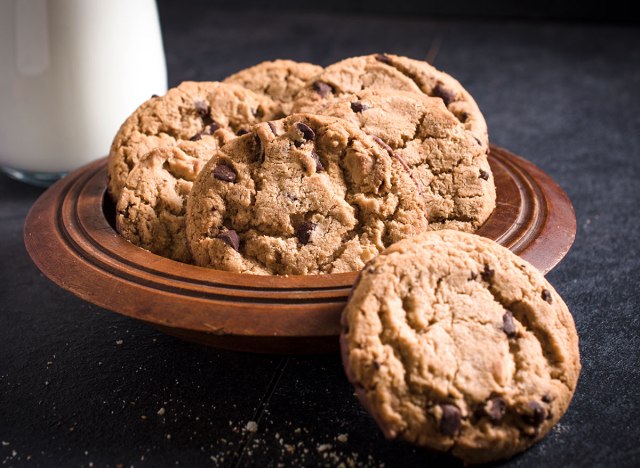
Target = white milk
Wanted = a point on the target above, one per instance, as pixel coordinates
(71, 71)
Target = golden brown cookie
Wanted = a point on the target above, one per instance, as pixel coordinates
(456, 344)
(281, 80)
(392, 73)
(305, 194)
(192, 111)
(152, 206)
(445, 158)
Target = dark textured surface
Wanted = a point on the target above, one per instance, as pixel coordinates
(566, 10)
(79, 384)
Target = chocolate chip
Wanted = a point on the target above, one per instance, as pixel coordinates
(153, 96)
(496, 407)
(384, 58)
(230, 237)
(258, 113)
(202, 108)
(224, 173)
(303, 233)
(307, 132)
(203, 111)
(316, 158)
(473, 276)
(273, 128)
(208, 130)
(487, 274)
(212, 127)
(443, 93)
(535, 415)
(242, 131)
(546, 398)
(508, 325)
(478, 412)
(358, 107)
(258, 150)
(322, 88)
(546, 296)
(484, 174)
(451, 419)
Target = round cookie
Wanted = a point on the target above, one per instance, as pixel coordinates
(281, 80)
(152, 206)
(456, 344)
(305, 194)
(443, 156)
(393, 73)
(193, 110)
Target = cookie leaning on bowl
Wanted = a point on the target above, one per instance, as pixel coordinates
(305, 194)
(445, 158)
(192, 111)
(456, 344)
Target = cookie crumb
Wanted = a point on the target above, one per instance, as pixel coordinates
(252, 426)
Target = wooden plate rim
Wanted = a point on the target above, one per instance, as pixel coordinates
(73, 244)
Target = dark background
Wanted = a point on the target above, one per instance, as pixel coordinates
(562, 10)
(80, 385)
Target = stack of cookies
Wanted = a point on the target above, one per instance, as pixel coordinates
(375, 164)
(289, 168)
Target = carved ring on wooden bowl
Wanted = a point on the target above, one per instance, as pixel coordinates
(70, 236)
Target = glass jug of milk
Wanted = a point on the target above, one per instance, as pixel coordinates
(71, 71)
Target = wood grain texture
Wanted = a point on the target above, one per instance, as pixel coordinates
(69, 235)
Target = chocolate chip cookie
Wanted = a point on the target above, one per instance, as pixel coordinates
(447, 159)
(192, 111)
(392, 73)
(305, 194)
(152, 206)
(281, 80)
(456, 344)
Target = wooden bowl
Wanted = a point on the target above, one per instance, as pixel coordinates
(70, 236)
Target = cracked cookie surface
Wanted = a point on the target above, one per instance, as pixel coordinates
(446, 159)
(305, 194)
(192, 111)
(152, 206)
(281, 80)
(456, 344)
(393, 73)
